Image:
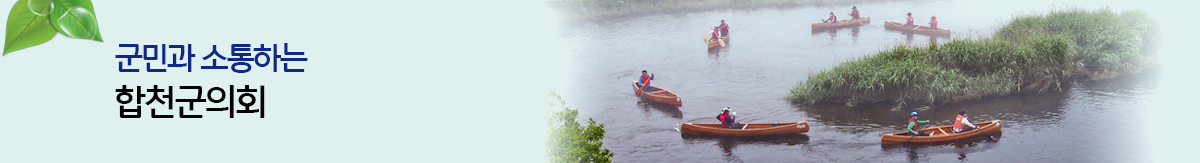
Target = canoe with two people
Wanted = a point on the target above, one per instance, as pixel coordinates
(913, 133)
(718, 35)
(933, 29)
(854, 20)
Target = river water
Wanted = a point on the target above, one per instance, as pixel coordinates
(771, 49)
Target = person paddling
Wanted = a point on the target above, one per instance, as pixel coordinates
(832, 18)
(724, 28)
(644, 81)
(854, 14)
(910, 21)
(914, 126)
(726, 117)
(961, 124)
(933, 22)
(716, 34)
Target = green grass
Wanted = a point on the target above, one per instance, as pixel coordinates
(1034, 53)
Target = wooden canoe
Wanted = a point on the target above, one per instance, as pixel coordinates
(941, 133)
(842, 23)
(748, 129)
(659, 95)
(920, 28)
(715, 43)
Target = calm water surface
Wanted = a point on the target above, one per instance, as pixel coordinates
(772, 49)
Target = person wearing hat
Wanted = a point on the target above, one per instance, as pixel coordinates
(914, 126)
(933, 22)
(724, 28)
(726, 117)
(854, 14)
(716, 34)
(961, 124)
(910, 21)
(832, 18)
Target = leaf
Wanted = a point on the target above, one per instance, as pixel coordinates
(75, 18)
(25, 28)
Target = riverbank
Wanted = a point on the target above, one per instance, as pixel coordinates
(1030, 54)
(606, 9)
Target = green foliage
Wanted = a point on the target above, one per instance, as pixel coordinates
(1108, 42)
(26, 28)
(75, 18)
(33, 22)
(1030, 54)
(572, 142)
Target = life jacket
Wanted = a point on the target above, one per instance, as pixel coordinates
(958, 126)
(910, 21)
(724, 29)
(832, 18)
(854, 13)
(722, 118)
(933, 23)
(916, 126)
(645, 80)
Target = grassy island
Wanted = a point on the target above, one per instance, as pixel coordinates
(1033, 53)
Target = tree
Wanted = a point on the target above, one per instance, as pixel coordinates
(571, 142)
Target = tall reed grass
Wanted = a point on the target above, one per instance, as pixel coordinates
(1033, 53)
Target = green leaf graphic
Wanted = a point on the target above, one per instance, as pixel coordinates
(75, 18)
(26, 28)
(39, 7)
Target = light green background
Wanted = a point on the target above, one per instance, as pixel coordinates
(386, 81)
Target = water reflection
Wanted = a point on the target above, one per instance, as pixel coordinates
(715, 53)
(910, 36)
(726, 144)
(833, 32)
(961, 147)
(1037, 108)
(669, 110)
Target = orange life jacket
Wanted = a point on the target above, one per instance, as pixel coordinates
(958, 122)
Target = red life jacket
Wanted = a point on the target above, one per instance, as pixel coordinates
(645, 80)
(916, 126)
(933, 24)
(722, 118)
(832, 19)
(724, 28)
(910, 21)
(854, 13)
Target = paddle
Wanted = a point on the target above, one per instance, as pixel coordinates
(913, 135)
(722, 42)
(639, 92)
(990, 137)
